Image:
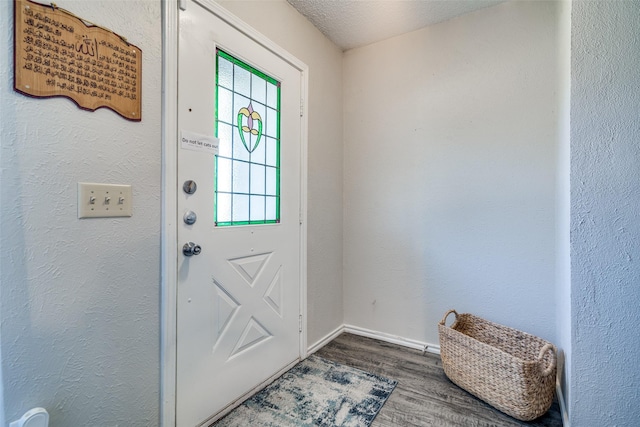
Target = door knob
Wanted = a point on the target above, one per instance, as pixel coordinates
(190, 249)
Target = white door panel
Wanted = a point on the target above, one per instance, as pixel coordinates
(238, 301)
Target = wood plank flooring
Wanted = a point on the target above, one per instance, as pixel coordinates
(424, 395)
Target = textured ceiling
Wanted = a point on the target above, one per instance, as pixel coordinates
(354, 23)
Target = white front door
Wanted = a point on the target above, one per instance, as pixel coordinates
(238, 299)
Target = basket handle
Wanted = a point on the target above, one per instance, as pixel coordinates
(444, 319)
(552, 364)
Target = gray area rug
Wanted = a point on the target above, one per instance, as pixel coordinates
(315, 392)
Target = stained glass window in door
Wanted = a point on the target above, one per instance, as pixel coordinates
(247, 187)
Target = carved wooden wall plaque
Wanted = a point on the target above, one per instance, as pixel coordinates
(59, 54)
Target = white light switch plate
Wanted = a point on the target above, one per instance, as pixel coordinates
(104, 200)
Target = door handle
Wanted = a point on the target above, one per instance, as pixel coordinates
(190, 249)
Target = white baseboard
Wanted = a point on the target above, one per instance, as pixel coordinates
(325, 340)
(393, 339)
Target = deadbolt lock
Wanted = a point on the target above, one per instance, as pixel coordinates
(189, 186)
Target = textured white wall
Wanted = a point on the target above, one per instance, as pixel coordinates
(451, 144)
(605, 213)
(285, 26)
(80, 298)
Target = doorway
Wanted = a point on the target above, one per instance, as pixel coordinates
(238, 297)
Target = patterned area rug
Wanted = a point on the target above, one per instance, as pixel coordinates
(315, 392)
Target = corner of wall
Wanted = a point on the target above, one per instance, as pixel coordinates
(2, 419)
(560, 389)
(563, 212)
(6, 34)
(605, 99)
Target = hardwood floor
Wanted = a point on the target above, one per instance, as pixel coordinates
(424, 395)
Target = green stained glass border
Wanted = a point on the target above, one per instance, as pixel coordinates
(221, 53)
(246, 66)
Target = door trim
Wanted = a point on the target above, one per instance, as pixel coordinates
(169, 238)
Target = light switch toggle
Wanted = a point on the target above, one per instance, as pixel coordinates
(95, 200)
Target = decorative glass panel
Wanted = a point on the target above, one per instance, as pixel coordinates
(225, 113)
(223, 207)
(271, 148)
(247, 187)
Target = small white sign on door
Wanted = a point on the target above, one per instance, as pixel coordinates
(198, 142)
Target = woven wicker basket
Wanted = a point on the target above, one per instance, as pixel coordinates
(513, 371)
